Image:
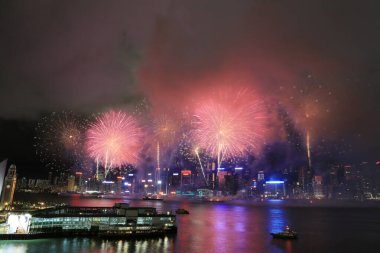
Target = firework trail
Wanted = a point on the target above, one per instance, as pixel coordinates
(192, 153)
(196, 151)
(165, 130)
(308, 148)
(312, 106)
(59, 140)
(229, 124)
(114, 140)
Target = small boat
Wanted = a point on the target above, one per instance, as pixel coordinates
(181, 211)
(152, 198)
(287, 234)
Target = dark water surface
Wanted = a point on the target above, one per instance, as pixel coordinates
(221, 227)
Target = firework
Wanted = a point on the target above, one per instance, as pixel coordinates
(196, 151)
(186, 149)
(165, 129)
(308, 148)
(192, 153)
(229, 124)
(114, 140)
(59, 140)
(311, 108)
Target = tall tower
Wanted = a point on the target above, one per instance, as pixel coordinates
(309, 172)
(8, 188)
(3, 169)
(158, 169)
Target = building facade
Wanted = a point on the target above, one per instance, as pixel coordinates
(8, 188)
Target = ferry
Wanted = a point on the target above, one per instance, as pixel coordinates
(120, 221)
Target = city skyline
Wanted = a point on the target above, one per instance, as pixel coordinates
(306, 80)
(190, 126)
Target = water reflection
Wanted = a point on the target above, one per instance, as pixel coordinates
(224, 228)
(13, 248)
(209, 228)
(276, 223)
(138, 246)
(277, 220)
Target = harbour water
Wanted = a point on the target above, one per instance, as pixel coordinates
(231, 228)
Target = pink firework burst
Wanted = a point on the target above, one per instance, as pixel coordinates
(229, 124)
(114, 139)
(165, 129)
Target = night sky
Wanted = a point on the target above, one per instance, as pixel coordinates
(315, 65)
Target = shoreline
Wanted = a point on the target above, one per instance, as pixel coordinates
(308, 203)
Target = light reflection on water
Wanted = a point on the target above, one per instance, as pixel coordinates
(14, 248)
(224, 228)
(87, 245)
(277, 220)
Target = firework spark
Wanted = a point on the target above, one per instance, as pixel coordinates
(196, 151)
(114, 140)
(59, 140)
(229, 124)
(165, 129)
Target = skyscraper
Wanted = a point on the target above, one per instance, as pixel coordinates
(8, 188)
(3, 167)
(71, 184)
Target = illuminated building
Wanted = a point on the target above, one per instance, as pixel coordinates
(119, 220)
(317, 186)
(71, 184)
(158, 169)
(22, 184)
(8, 187)
(204, 193)
(174, 181)
(185, 177)
(108, 186)
(3, 167)
(31, 183)
(239, 172)
(222, 173)
(260, 176)
(42, 184)
(79, 183)
(212, 175)
(260, 183)
(119, 180)
(275, 189)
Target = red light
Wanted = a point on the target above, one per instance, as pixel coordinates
(186, 172)
(378, 163)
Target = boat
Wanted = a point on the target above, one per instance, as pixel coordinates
(152, 198)
(181, 211)
(287, 234)
(121, 221)
(112, 196)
